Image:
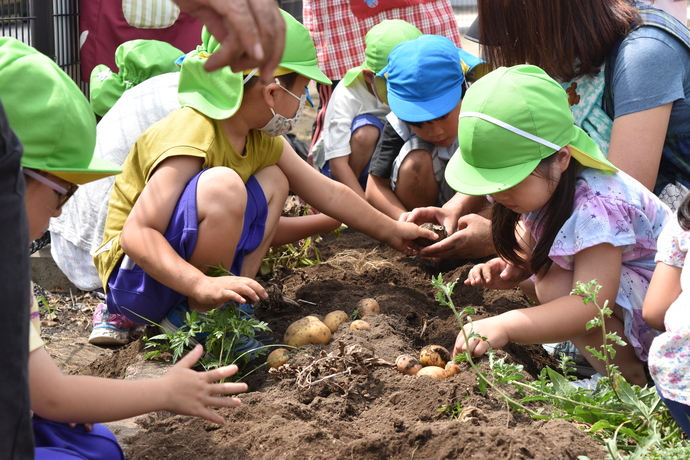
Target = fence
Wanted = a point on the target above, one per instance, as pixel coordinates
(50, 26)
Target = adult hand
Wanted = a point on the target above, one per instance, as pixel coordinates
(496, 274)
(470, 239)
(251, 32)
(192, 393)
(482, 335)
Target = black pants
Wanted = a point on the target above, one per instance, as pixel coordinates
(16, 435)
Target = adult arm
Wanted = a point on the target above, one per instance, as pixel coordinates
(251, 32)
(636, 143)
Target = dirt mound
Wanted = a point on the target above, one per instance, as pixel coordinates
(366, 412)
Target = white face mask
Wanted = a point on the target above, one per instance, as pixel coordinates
(279, 124)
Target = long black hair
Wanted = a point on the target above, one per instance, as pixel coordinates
(684, 213)
(549, 221)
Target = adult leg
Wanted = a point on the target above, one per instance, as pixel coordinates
(16, 439)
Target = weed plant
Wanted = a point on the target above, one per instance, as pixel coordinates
(629, 421)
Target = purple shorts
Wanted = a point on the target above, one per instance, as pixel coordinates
(58, 441)
(358, 122)
(135, 294)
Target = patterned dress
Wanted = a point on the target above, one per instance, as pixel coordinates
(669, 356)
(616, 209)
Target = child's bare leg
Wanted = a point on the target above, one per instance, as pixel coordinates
(557, 283)
(275, 187)
(416, 186)
(221, 201)
(627, 361)
(362, 144)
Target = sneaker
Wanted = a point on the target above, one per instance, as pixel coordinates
(582, 366)
(109, 329)
(588, 384)
(175, 320)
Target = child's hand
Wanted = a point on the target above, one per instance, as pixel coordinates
(496, 274)
(490, 329)
(192, 393)
(223, 289)
(407, 232)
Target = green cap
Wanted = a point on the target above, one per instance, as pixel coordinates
(219, 94)
(137, 60)
(50, 115)
(379, 42)
(510, 120)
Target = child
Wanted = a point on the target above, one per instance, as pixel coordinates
(206, 185)
(58, 155)
(354, 117)
(425, 79)
(665, 309)
(576, 219)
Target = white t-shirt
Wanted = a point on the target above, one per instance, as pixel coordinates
(346, 103)
(78, 231)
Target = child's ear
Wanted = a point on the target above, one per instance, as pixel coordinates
(268, 93)
(368, 76)
(563, 158)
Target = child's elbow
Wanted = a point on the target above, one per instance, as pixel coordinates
(652, 318)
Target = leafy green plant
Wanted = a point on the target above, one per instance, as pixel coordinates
(629, 421)
(49, 312)
(220, 332)
(300, 254)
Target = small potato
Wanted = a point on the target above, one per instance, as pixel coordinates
(408, 365)
(440, 230)
(278, 357)
(433, 372)
(452, 368)
(359, 325)
(434, 355)
(307, 330)
(335, 319)
(368, 307)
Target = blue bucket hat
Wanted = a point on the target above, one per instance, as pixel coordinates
(424, 78)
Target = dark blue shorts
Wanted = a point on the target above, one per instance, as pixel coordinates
(133, 293)
(358, 122)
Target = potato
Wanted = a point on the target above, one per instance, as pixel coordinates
(317, 316)
(440, 230)
(278, 357)
(307, 330)
(335, 319)
(433, 372)
(434, 355)
(452, 368)
(408, 365)
(359, 325)
(368, 307)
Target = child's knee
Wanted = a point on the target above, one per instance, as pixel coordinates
(365, 138)
(273, 182)
(417, 163)
(222, 189)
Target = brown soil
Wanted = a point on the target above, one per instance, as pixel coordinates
(374, 412)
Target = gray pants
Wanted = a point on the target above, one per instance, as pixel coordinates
(16, 434)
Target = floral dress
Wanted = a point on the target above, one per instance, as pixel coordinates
(616, 209)
(669, 356)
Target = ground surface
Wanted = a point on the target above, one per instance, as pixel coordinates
(380, 414)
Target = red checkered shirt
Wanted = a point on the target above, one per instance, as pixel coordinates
(339, 35)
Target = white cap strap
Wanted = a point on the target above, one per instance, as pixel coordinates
(511, 128)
